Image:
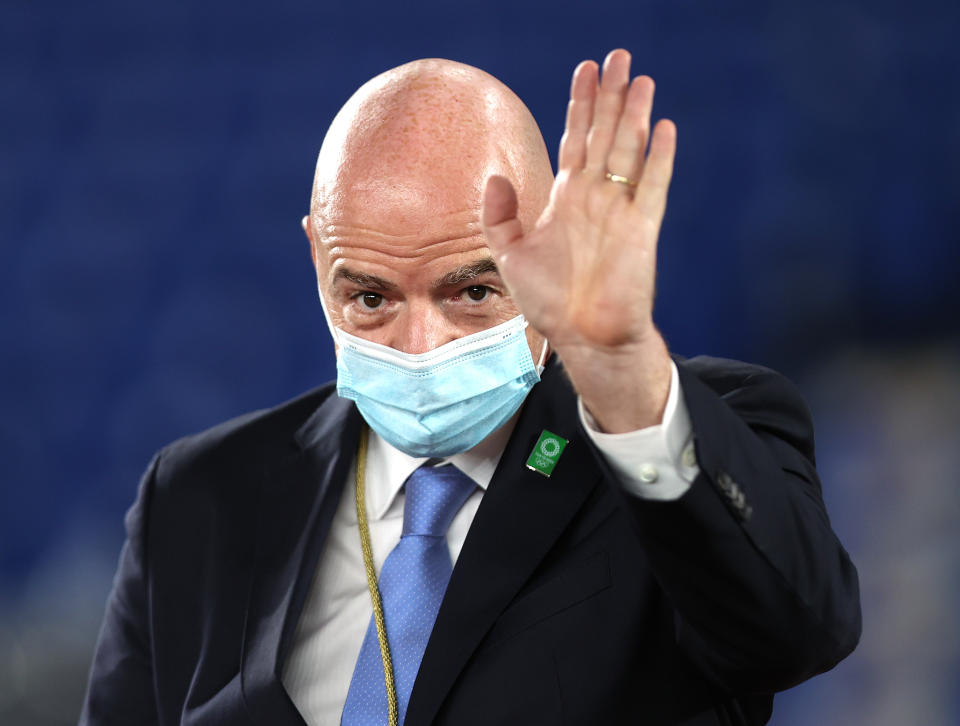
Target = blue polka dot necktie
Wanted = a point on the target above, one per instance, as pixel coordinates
(412, 582)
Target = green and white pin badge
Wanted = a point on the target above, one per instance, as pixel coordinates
(546, 453)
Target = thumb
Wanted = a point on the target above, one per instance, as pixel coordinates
(498, 214)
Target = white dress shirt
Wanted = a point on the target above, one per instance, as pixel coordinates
(654, 463)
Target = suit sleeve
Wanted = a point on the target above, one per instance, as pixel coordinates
(764, 594)
(120, 689)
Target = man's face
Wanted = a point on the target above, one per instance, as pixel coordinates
(408, 267)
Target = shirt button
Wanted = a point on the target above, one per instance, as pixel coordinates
(689, 456)
(649, 474)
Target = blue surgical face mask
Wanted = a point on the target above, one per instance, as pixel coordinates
(446, 400)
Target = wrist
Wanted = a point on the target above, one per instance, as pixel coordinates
(624, 388)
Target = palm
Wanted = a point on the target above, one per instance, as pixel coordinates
(584, 275)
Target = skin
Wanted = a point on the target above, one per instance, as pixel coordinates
(435, 214)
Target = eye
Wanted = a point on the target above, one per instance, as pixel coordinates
(371, 300)
(477, 292)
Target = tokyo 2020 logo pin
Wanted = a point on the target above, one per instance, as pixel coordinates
(546, 453)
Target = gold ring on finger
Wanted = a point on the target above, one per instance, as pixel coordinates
(621, 179)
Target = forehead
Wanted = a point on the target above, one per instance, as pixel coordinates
(400, 228)
(401, 172)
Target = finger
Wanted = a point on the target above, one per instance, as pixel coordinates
(583, 92)
(606, 109)
(651, 193)
(630, 142)
(498, 215)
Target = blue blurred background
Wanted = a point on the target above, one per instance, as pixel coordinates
(156, 158)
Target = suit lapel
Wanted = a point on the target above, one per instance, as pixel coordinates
(520, 517)
(299, 495)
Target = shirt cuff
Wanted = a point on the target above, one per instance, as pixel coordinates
(658, 462)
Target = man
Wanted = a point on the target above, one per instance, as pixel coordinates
(636, 539)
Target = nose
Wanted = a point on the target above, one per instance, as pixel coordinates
(420, 328)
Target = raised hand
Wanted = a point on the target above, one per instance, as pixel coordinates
(584, 275)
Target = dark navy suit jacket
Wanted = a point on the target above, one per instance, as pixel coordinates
(571, 601)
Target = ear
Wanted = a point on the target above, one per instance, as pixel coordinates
(540, 349)
(305, 225)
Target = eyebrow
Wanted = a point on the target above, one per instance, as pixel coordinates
(454, 277)
(362, 279)
(467, 272)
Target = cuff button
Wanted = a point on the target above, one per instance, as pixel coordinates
(649, 474)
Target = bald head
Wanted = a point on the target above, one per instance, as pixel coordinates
(423, 138)
(394, 226)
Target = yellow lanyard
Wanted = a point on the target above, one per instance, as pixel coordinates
(392, 711)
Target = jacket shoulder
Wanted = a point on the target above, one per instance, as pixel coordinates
(240, 443)
(725, 375)
(767, 400)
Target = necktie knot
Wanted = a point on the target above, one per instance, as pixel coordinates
(434, 494)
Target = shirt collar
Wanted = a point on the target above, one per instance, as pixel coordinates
(388, 467)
